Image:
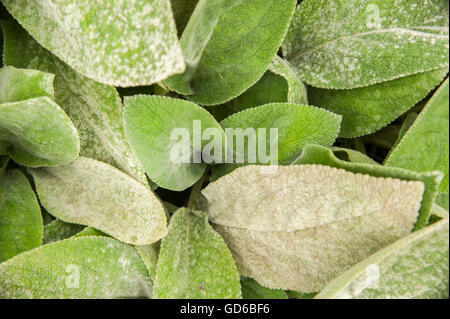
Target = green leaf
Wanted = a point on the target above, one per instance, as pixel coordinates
(149, 255)
(126, 43)
(413, 267)
(425, 145)
(302, 225)
(39, 133)
(443, 200)
(366, 110)
(194, 261)
(352, 156)
(347, 44)
(252, 290)
(182, 11)
(297, 126)
(315, 154)
(152, 124)
(59, 230)
(228, 45)
(297, 91)
(95, 108)
(20, 215)
(17, 85)
(90, 231)
(95, 194)
(87, 267)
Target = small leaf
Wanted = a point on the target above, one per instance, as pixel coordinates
(352, 156)
(154, 125)
(303, 225)
(95, 108)
(182, 11)
(252, 290)
(95, 194)
(126, 43)
(39, 133)
(228, 46)
(149, 255)
(20, 215)
(59, 230)
(194, 261)
(87, 267)
(17, 85)
(366, 110)
(416, 267)
(344, 45)
(425, 145)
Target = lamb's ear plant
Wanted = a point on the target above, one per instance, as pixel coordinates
(258, 149)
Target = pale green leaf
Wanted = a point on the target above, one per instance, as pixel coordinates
(59, 230)
(443, 200)
(228, 45)
(297, 91)
(39, 133)
(252, 290)
(416, 267)
(438, 212)
(87, 267)
(151, 123)
(194, 261)
(17, 84)
(425, 145)
(90, 231)
(125, 43)
(348, 44)
(21, 227)
(315, 154)
(366, 110)
(93, 193)
(302, 225)
(352, 156)
(95, 108)
(149, 255)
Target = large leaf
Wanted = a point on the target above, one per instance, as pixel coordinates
(20, 215)
(126, 43)
(297, 126)
(153, 125)
(39, 133)
(59, 230)
(366, 110)
(413, 267)
(17, 85)
(194, 262)
(95, 108)
(95, 194)
(425, 146)
(87, 267)
(315, 154)
(228, 45)
(348, 44)
(303, 225)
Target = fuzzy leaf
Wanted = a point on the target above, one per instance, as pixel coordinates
(126, 43)
(228, 45)
(347, 44)
(95, 108)
(39, 133)
(303, 225)
(20, 215)
(252, 290)
(352, 156)
(194, 262)
(413, 267)
(95, 194)
(87, 267)
(425, 146)
(59, 230)
(366, 110)
(150, 123)
(443, 200)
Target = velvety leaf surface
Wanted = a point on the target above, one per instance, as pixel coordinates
(348, 44)
(368, 109)
(95, 108)
(194, 262)
(425, 145)
(95, 194)
(152, 124)
(39, 133)
(443, 200)
(252, 290)
(416, 267)
(17, 84)
(87, 267)
(301, 226)
(21, 226)
(126, 43)
(59, 230)
(228, 45)
(149, 255)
